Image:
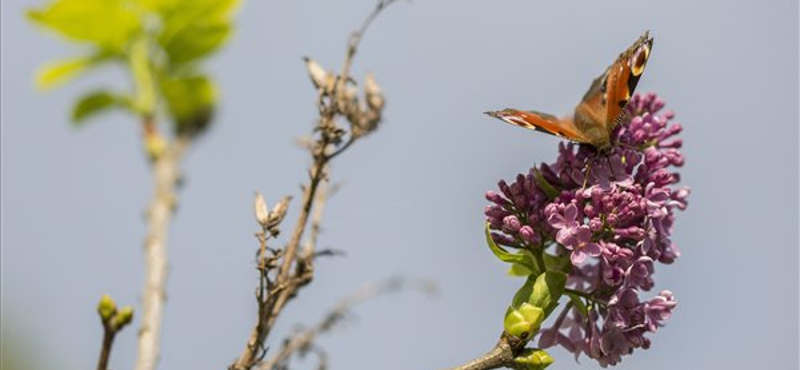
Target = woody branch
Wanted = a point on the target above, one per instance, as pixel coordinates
(284, 271)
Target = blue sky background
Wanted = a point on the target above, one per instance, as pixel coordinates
(412, 201)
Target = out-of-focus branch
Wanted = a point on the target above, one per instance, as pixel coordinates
(166, 163)
(284, 271)
(355, 39)
(303, 341)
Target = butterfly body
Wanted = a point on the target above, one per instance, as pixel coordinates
(601, 108)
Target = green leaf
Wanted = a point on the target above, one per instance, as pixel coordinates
(533, 359)
(579, 304)
(547, 290)
(506, 256)
(521, 270)
(523, 295)
(541, 293)
(553, 263)
(196, 40)
(190, 101)
(54, 74)
(194, 28)
(548, 189)
(109, 24)
(178, 11)
(92, 104)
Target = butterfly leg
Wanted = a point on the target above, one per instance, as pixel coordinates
(586, 173)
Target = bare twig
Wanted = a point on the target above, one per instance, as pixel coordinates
(355, 38)
(310, 247)
(159, 214)
(105, 349)
(303, 341)
(289, 269)
(502, 355)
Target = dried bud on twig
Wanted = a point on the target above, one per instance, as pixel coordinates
(260, 208)
(321, 78)
(277, 214)
(279, 211)
(373, 93)
(350, 91)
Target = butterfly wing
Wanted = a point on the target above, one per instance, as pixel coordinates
(602, 107)
(542, 122)
(623, 76)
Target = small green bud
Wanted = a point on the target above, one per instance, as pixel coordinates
(533, 359)
(106, 308)
(122, 318)
(524, 321)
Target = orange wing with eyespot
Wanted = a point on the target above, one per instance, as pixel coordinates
(623, 76)
(601, 107)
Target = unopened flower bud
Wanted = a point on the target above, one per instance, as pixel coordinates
(529, 235)
(106, 307)
(511, 224)
(260, 208)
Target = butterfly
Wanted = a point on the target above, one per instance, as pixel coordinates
(601, 108)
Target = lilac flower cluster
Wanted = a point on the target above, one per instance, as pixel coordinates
(611, 214)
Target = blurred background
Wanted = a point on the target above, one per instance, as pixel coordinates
(412, 197)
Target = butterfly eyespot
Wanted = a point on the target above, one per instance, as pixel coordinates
(639, 60)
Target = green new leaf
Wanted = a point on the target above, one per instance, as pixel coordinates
(178, 11)
(533, 359)
(554, 263)
(186, 96)
(109, 24)
(194, 28)
(524, 293)
(196, 40)
(94, 103)
(56, 73)
(522, 270)
(523, 321)
(521, 258)
(190, 101)
(547, 290)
